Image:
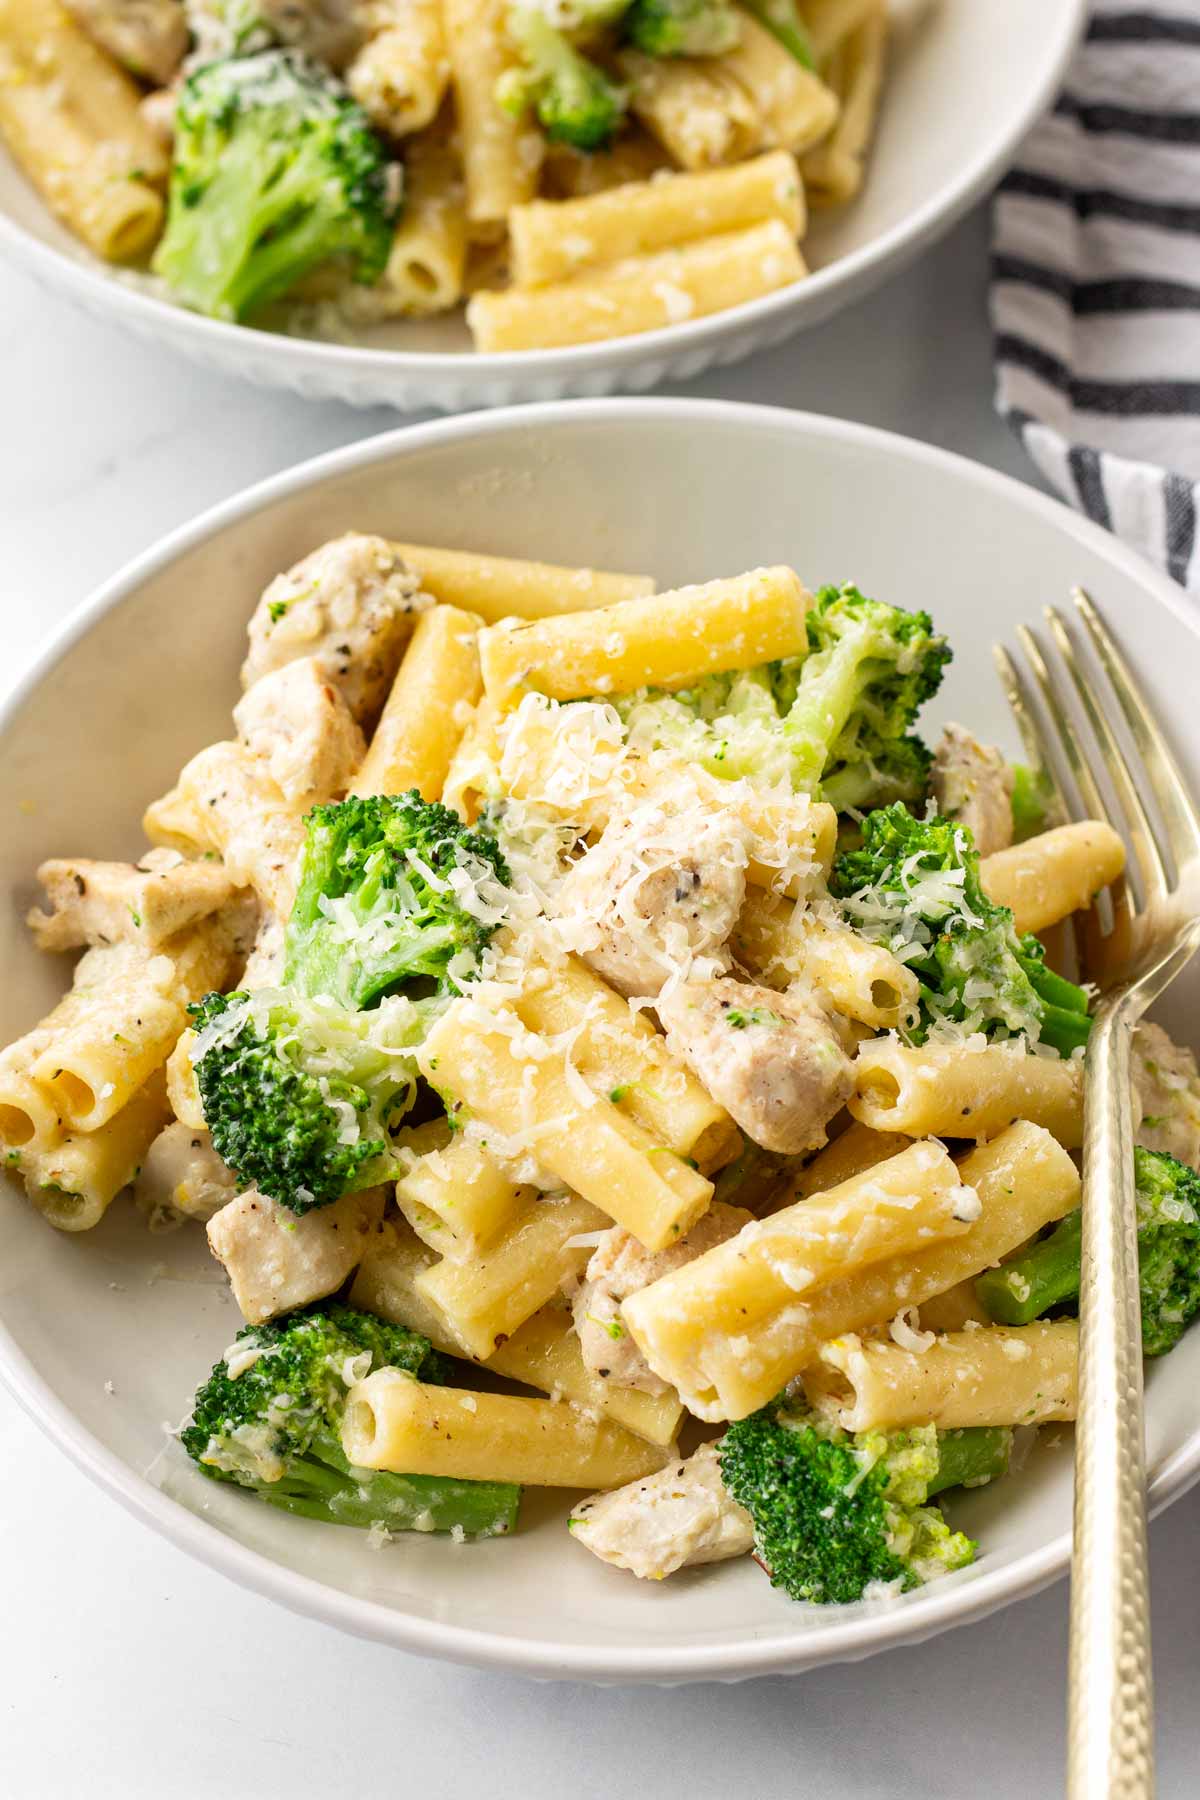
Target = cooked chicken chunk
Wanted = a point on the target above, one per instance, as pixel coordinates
(148, 36)
(302, 728)
(107, 902)
(682, 1515)
(157, 110)
(276, 1261)
(228, 801)
(264, 966)
(973, 784)
(776, 1062)
(183, 1177)
(620, 1266)
(350, 606)
(1167, 1084)
(326, 30)
(656, 892)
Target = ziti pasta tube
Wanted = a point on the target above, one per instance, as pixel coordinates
(506, 587)
(71, 118)
(996, 1375)
(1024, 1180)
(554, 239)
(428, 709)
(950, 1090)
(723, 1307)
(670, 640)
(543, 1353)
(393, 1421)
(644, 293)
(1050, 876)
(513, 1080)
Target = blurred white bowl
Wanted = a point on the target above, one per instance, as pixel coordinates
(964, 86)
(145, 674)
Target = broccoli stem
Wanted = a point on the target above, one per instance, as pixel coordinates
(969, 1457)
(824, 701)
(783, 22)
(323, 1485)
(1044, 1276)
(1065, 1021)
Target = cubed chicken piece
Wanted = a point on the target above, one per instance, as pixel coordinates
(621, 1266)
(302, 728)
(327, 30)
(264, 966)
(681, 1516)
(351, 607)
(150, 37)
(776, 1062)
(1167, 1084)
(973, 784)
(276, 1261)
(183, 1177)
(656, 892)
(110, 902)
(231, 802)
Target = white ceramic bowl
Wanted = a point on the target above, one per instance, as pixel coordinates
(964, 88)
(145, 674)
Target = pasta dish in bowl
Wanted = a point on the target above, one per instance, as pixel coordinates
(528, 179)
(627, 1076)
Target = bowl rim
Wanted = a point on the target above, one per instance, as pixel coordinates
(852, 1634)
(90, 282)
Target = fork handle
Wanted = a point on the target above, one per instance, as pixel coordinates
(1110, 1739)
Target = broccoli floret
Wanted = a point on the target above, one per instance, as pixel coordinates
(891, 771)
(682, 27)
(869, 669)
(393, 890)
(302, 1097)
(836, 1514)
(836, 722)
(1046, 1277)
(269, 1418)
(914, 886)
(276, 169)
(784, 22)
(573, 99)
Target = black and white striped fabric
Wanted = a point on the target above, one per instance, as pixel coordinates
(1096, 282)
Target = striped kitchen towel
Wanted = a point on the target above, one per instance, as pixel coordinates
(1096, 282)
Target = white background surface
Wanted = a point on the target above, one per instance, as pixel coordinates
(126, 1670)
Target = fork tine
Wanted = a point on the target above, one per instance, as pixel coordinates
(1068, 737)
(1149, 857)
(1028, 728)
(1178, 812)
(1115, 907)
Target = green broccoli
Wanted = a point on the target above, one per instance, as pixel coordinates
(269, 1417)
(783, 21)
(1032, 802)
(834, 722)
(1046, 1276)
(302, 1096)
(869, 669)
(914, 886)
(276, 170)
(682, 27)
(393, 890)
(837, 1515)
(573, 99)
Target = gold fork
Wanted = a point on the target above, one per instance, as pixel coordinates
(1131, 948)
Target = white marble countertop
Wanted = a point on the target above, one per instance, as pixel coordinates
(128, 1671)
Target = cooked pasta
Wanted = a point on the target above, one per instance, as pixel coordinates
(562, 983)
(567, 175)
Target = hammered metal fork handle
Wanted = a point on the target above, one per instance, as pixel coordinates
(1110, 1743)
